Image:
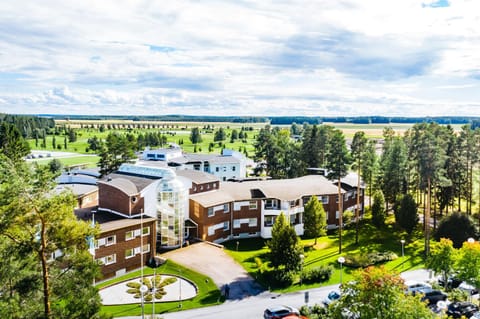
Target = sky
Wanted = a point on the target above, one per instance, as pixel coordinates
(246, 58)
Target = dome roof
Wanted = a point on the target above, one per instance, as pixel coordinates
(124, 185)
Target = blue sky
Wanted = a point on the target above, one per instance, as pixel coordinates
(311, 58)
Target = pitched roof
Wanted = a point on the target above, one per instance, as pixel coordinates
(197, 177)
(123, 184)
(283, 189)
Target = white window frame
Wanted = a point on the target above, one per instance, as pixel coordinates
(210, 212)
(132, 254)
(324, 199)
(146, 248)
(211, 231)
(113, 259)
(226, 208)
(132, 235)
(236, 223)
(252, 205)
(146, 233)
(226, 226)
(252, 222)
(112, 242)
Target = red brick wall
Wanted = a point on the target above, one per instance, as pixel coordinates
(111, 197)
(120, 247)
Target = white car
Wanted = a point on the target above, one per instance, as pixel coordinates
(332, 296)
(417, 286)
(468, 288)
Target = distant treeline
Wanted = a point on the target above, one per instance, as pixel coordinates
(29, 125)
(374, 120)
(166, 118)
(47, 119)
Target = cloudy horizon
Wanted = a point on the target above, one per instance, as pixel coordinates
(244, 58)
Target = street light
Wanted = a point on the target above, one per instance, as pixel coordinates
(154, 263)
(143, 290)
(471, 240)
(180, 289)
(341, 260)
(403, 243)
(302, 257)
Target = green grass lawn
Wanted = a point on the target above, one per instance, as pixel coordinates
(208, 293)
(325, 252)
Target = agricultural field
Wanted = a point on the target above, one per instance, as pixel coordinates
(179, 133)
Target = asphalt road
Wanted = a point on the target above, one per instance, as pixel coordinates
(253, 306)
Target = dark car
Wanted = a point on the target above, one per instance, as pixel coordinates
(434, 296)
(278, 312)
(452, 282)
(459, 309)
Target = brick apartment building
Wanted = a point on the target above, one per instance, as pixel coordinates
(249, 208)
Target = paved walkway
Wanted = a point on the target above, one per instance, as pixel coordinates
(212, 261)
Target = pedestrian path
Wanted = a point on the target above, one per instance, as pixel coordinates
(117, 294)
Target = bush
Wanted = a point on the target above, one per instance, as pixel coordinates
(279, 278)
(370, 259)
(318, 274)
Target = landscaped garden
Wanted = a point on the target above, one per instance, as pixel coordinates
(252, 254)
(207, 292)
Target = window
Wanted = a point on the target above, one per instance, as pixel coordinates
(110, 240)
(252, 204)
(226, 226)
(269, 221)
(292, 203)
(324, 199)
(129, 235)
(146, 248)
(224, 168)
(111, 259)
(226, 208)
(233, 168)
(146, 231)
(129, 253)
(336, 199)
(252, 222)
(217, 169)
(211, 231)
(270, 204)
(337, 215)
(293, 219)
(210, 212)
(236, 223)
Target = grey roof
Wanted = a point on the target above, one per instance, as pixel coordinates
(352, 180)
(197, 177)
(109, 221)
(284, 189)
(76, 179)
(140, 182)
(77, 189)
(212, 158)
(125, 185)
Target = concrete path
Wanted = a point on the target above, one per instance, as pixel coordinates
(212, 261)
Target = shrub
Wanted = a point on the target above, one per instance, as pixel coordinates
(357, 261)
(318, 274)
(279, 278)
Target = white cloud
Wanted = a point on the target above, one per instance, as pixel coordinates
(347, 57)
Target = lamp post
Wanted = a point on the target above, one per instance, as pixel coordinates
(341, 260)
(403, 243)
(302, 257)
(180, 289)
(154, 263)
(143, 290)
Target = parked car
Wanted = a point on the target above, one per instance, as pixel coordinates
(433, 296)
(332, 296)
(452, 282)
(295, 317)
(415, 286)
(280, 311)
(459, 309)
(468, 288)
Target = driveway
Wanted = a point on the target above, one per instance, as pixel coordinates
(212, 261)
